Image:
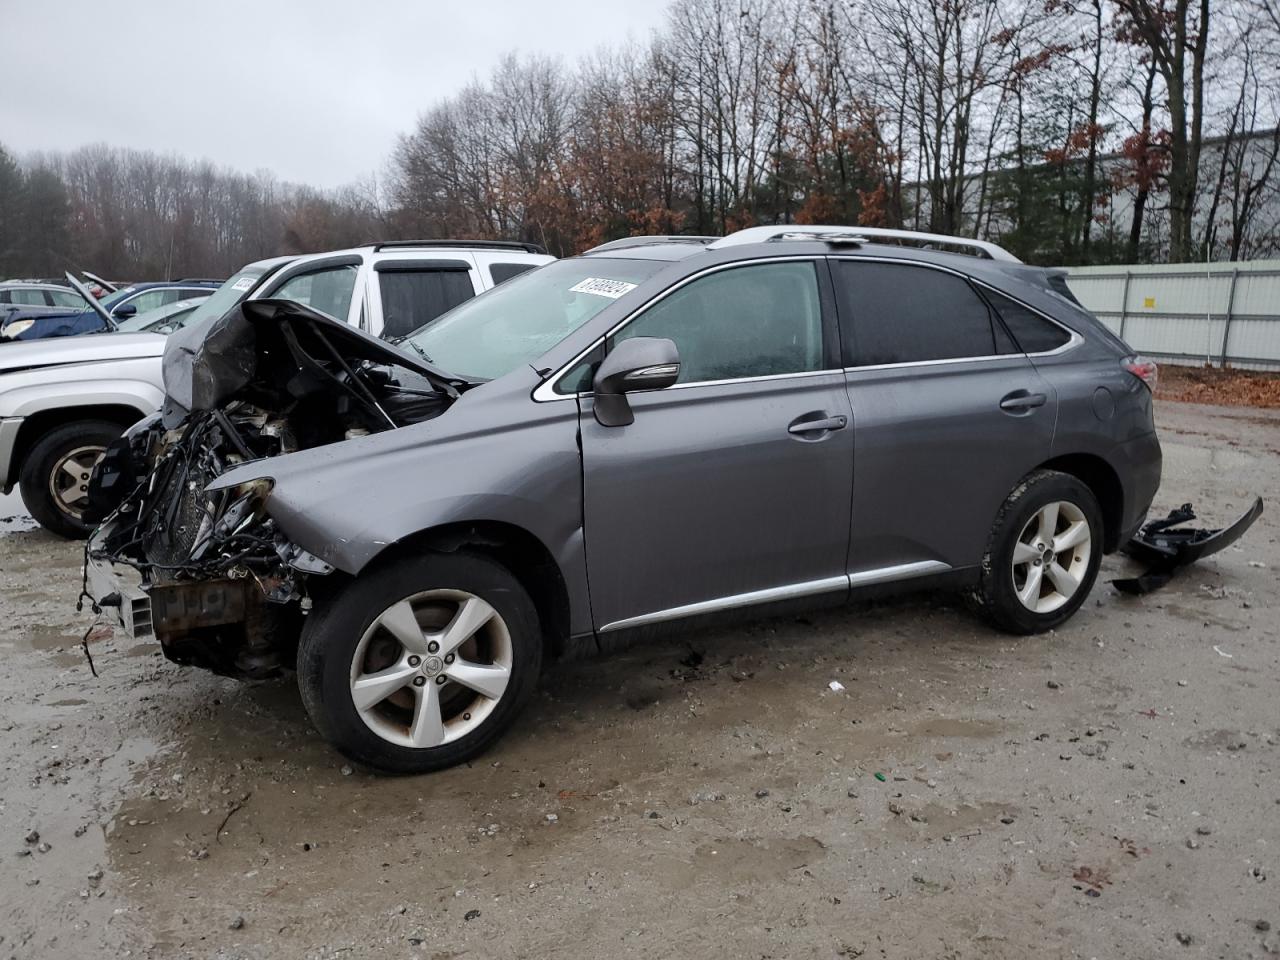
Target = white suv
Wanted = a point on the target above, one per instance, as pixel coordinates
(62, 401)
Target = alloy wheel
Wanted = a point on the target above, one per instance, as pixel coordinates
(1051, 556)
(69, 479)
(431, 668)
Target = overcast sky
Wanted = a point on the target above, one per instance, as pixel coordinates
(315, 90)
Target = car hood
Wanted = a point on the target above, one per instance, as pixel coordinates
(33, 354)
(208, 363)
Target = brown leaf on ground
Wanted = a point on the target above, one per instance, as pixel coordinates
(1236, 388)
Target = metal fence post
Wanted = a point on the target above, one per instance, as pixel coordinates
(1226, 328)
(1124, 303)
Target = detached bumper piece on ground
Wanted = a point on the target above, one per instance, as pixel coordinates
(1165, 545)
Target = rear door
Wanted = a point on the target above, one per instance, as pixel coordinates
(948, 415)
(731, 487)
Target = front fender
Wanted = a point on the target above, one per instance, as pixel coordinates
(27, 393)
(499, 457)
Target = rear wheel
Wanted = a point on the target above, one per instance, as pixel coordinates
(54, 479)
(1043, 554)
(421, 665)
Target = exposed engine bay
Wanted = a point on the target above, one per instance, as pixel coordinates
(268, 379)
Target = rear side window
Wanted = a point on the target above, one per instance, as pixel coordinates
(30, 298)
(1033, 332)
(413, 298)
(899, 313)
(505, 271)
(752, 321)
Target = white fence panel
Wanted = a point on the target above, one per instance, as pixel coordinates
(1217, 313)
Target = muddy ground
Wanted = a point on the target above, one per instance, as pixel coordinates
(1111, 790)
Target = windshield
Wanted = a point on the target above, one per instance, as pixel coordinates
(172, 314)
(111, 299)
(518, 321)
(227, 295)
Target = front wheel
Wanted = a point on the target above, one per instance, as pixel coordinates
(1043, 554)
(422, 664)
(54, 480)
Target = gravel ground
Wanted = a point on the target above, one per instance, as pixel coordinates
(1109, 790)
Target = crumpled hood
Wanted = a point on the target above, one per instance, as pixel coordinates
(206, 364)
(33, 354)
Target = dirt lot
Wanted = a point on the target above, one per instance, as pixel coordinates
(1111, 790)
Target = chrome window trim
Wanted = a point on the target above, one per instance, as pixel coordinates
(545, 391)
(1074, 341)
(791, 591)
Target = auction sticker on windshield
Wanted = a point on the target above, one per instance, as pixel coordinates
(600, 287)
(244, 283)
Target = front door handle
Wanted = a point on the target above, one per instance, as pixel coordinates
(814, 426)
(1021, 400)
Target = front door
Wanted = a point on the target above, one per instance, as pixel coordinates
(948, 415)
(731, 487)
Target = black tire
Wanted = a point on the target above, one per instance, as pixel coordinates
(997, 593)
(41, 464)
(333, 633)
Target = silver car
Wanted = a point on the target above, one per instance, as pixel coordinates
(660, 431)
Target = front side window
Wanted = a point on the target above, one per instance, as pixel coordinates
(900, 313)
(520, 320)
(413, 298)
(751, 321)
(68, 298)
(150, 299)
(328, 290)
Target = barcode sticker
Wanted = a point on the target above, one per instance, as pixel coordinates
(600, 287)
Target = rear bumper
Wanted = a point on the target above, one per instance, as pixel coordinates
(9, 427)
(1139, 463)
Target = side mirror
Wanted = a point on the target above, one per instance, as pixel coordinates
(637, 363)
(124, 311)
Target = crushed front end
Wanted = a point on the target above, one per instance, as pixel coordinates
(221, 587)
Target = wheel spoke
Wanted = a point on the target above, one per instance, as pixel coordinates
(1030, 592)
(1048, 522)
(1063, 579)
(473, 614)
(428, 725)
(489, 680)
(1074, 535)
(1024, 553)
(400, 621)
(71, 495)
(71, 469)
(372, 688)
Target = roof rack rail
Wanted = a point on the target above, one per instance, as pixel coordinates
(981, 248)
(482, 244)
(199, 280)
(649, 240)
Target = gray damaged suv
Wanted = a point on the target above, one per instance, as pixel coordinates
(658, 431)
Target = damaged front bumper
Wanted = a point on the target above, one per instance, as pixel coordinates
(1165, 545)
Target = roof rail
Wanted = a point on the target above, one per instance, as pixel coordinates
(199, 280)
(981, 248)
(482, 244)
(649, 240)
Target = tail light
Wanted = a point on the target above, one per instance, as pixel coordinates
(1142, 368)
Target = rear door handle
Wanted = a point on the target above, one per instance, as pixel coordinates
(814, 426)
(1021, 400)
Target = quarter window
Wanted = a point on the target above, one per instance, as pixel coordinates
(750, 321)
(501, 272)
(1033, 332)
(899, 313)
